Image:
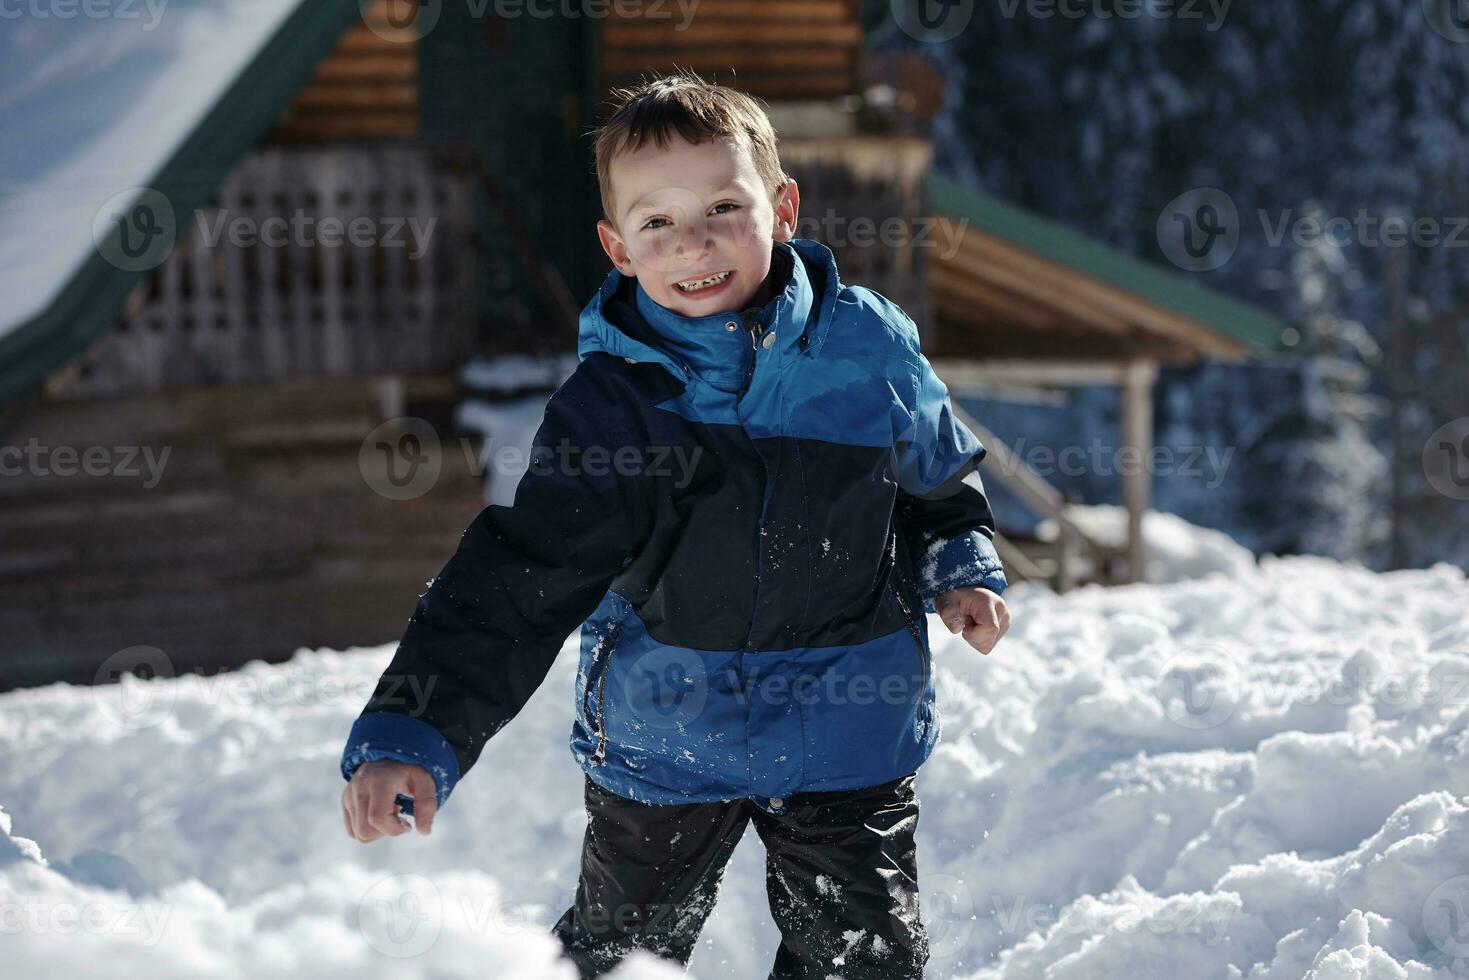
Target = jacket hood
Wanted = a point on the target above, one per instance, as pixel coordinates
(611, 322)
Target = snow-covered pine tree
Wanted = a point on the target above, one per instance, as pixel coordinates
(1099, 119)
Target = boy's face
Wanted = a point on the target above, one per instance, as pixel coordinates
(695, 224)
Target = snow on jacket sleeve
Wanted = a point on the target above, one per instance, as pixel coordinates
(484, 634)
(941, 507)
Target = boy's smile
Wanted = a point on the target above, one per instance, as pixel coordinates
(695, 223)
(706, 286)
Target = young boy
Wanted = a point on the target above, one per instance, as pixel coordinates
(746, 495)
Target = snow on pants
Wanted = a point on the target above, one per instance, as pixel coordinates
(841, 876)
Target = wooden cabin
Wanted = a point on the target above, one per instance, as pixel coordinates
(1024, 301)
(271, 378)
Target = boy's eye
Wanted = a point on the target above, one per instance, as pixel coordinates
(723, 207)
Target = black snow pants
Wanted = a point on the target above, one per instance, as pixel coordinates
(841, 876)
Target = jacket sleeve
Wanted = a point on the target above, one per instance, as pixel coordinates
(941, 505)
(483, 636)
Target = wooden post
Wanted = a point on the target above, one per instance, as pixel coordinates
(1137, 481)
(1065, 579)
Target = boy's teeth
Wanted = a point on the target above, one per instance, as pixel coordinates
(696, 284)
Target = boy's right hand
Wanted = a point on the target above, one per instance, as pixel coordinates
(370, 801)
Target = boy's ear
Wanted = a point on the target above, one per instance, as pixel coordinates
(787, 209)
(613, 245)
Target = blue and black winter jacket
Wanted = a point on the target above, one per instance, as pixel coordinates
(747, 515)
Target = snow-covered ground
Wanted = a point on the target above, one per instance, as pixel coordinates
(1257, 773)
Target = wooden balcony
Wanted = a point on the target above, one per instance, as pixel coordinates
(313, 261)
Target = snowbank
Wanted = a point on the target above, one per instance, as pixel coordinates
(1260, 774)
(1177, 550)
(513, 390)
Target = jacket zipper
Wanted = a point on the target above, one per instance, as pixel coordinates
(908, 616)
(754, 327)
(599, 755)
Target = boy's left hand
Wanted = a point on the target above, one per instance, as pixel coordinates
(980, 613)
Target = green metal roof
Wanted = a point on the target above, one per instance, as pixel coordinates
(86, 301)
(1256, 328)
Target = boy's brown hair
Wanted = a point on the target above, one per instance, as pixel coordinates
(681, 102)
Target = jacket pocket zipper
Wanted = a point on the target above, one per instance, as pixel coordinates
(908, 615)
(917, 638)
(599, 755)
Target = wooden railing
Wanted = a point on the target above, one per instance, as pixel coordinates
(1076, 553)
(258, 288)
(1060, 568)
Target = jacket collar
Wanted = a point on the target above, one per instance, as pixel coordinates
(713, 346)
(622, 320)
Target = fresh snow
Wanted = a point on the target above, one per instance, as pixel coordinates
(1259, 773)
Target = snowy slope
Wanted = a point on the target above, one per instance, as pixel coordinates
(1260, 773)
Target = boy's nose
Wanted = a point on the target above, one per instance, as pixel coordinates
(694, 240)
